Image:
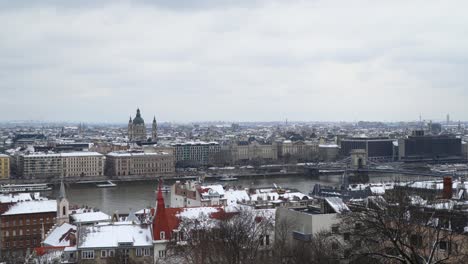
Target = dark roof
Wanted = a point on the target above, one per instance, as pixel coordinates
(138, 119)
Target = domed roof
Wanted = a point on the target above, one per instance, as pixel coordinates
(138, 120)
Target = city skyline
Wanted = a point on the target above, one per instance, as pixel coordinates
(233, 60)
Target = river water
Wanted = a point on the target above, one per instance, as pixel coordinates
(132, 196)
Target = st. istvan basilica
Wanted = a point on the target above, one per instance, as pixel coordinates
(137, 129)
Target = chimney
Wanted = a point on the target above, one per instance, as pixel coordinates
(448, 192)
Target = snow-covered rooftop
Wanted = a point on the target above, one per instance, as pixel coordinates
(90, 217)
(196, 212)
(17, 197)
(111, 235)
(235, 196)
(135, 154)
(32, 207)
(56, 237)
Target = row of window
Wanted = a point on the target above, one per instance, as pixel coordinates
(21, 243)
(7, 223)
(139, 252)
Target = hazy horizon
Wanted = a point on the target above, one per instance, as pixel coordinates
(245, 60)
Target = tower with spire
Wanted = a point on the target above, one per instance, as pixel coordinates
(63, 206)
(137, 128)
(154, 130)
(160, 225)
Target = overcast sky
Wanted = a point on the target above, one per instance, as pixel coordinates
(236, 60)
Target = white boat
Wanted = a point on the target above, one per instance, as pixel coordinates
(228, 178)
(106, 185)
(12, 188)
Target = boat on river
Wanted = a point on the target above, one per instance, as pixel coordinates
(228, 178)
(15, 188)
(106, 184)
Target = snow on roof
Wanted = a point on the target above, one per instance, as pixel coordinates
(90, 217)
(4, 156)
(18, 197)
(56, 237)
(217, 188)
(235, 196)
(135, 154)
(32, 207)
(81, 154)
(273, 195)
(113, 235)
(337, 204)
(328, 146)
(196, 212)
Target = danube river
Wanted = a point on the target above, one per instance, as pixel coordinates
(141, 194)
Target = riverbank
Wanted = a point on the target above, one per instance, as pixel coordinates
(139, 178)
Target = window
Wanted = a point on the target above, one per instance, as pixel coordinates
(416, 240)
(111, 253)
(88, 254)
(7, 233)
(261, 240)
(147, 251)
(346, 236)
(334, 229)
(21, 232)
(27, 221)
(103, 253)
(162, 235)
(162, 253)
(267, 240)
(445, 245)
(139, 252)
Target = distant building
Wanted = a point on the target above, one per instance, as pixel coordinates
(420, 147)
(328, 152)
(56, 165)
(380, 148)
(298, 150)
(137, 128)
(196, 153)
(192, 194)
(4, 166)
(139, 163)
(245, 151)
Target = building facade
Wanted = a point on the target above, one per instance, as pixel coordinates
(46, 165)
(298, 150)
(380, 148)
(82, 164)
(247, 151)
(139, 163)
(195, 153)
(4, 166)
(420, 147)
(24, 224)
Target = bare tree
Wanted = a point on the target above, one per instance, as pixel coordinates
(402, 232)
(233, 239)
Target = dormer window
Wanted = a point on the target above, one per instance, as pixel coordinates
(162, 235)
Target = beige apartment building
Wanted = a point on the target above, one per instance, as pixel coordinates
(300, 150)
(82, 164)
(245, 151)
(57, 165)
(4, 166)
(139, 163)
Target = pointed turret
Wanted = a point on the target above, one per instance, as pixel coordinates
(62, 193)
(63, 210)
(154, 131)
(160, 224)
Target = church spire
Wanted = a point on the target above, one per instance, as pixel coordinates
(160, 224)
(62, 193)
